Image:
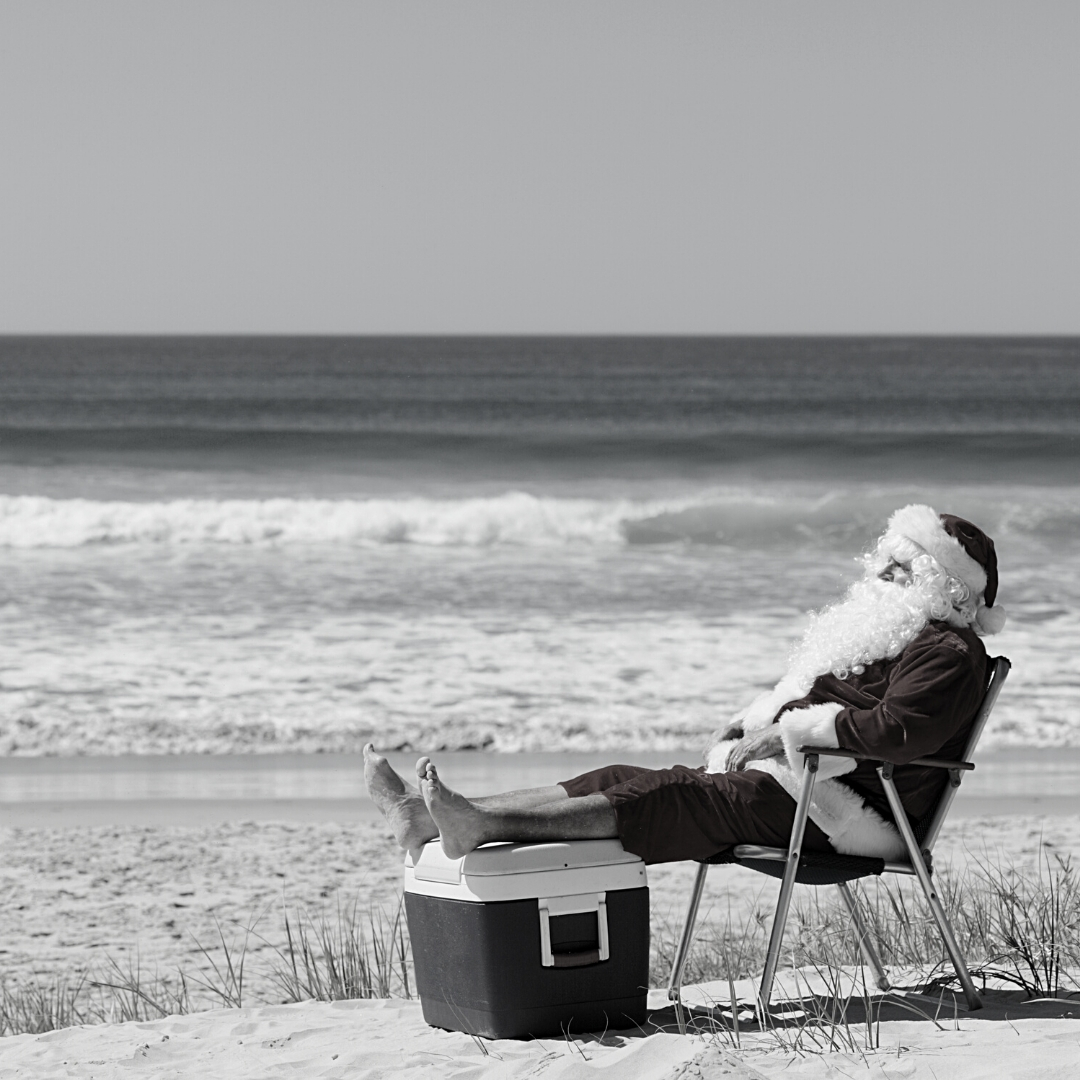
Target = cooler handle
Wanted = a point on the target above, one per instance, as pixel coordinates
(579, 904)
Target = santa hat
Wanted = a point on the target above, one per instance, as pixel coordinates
(961, 549)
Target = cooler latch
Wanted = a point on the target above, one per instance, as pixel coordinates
(553, 907)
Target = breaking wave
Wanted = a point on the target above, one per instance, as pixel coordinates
(737, 519)
(514, 518)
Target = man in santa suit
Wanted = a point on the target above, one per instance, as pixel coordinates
(896, 671)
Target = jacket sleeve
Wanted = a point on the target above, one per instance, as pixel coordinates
(934, 691)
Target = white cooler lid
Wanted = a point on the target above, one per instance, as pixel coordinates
(516, 871)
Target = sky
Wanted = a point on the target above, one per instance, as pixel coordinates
(545, 167)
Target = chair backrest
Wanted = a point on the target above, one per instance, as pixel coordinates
(999, 670)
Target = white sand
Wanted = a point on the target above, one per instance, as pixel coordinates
(364, 1040)
(72, 895)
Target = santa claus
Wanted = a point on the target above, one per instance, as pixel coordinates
(894, 671)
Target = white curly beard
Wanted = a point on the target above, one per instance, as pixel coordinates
(876, 620)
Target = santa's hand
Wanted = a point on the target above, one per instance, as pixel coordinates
(734, 730)
(761, 744)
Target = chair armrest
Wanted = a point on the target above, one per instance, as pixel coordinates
(833, 751)
(940, 763)
(929, 762)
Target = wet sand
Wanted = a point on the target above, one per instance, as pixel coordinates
(189, 789)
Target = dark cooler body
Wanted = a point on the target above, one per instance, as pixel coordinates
(530, 939)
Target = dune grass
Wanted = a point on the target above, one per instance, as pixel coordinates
(114, 994)
(42, 1005)
(347, 954)
(1015, 924)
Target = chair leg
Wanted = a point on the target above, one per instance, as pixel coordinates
(776, 936)
(945, 929)
(919, 865)
(675, 982)
(866, 943)
(783, 903)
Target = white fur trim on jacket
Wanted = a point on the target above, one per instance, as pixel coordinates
(761, 712)
(853, 828)
(923, 525)
(716, 757)
(814, 725)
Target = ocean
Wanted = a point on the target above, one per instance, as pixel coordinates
(233, 545)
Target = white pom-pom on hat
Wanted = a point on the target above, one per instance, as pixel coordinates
(990, 620)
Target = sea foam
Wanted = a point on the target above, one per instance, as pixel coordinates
(513, 518)
(515, 621)
(845, 519)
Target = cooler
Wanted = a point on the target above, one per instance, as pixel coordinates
(530, 939)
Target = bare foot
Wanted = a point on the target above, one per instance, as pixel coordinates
(460, 823)
(400, 803)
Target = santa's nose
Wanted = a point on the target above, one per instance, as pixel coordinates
(897, 574)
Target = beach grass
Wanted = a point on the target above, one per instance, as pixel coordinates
(43, 1005)
(345, 954)
(1019, 925)
(127, 991)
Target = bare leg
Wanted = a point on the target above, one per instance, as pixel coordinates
(524, 799)
(407, 814)
(508, 800)
(464, 825)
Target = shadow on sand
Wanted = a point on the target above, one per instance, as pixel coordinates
(943, 1008)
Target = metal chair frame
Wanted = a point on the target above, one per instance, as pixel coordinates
(918, 863)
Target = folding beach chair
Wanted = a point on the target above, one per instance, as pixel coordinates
(814, 868)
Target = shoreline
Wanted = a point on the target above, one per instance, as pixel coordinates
(201, 789)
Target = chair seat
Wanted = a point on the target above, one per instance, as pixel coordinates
(815, 867)
(819, 868)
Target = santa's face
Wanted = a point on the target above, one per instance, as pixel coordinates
(899, 573)
(902, 562)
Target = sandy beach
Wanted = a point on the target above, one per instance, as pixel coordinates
(366, 1040)
(151, 879)
(146, 857)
